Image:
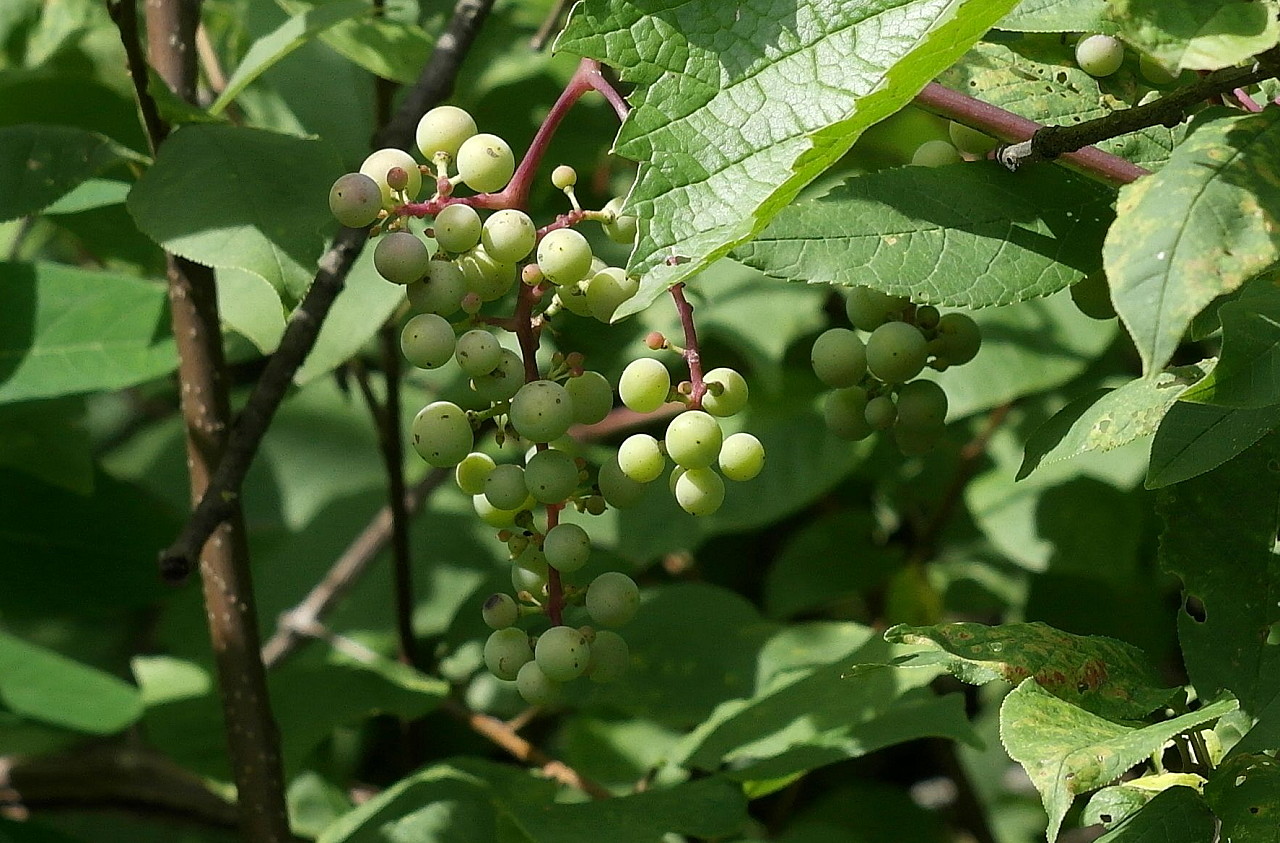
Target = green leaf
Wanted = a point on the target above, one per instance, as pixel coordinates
(228, 196)
(968, 235)
(89, 195)
(1225, 554)
(392, 49)
(1103, 676)
(48, 440)
(1105, 419)
(736, 109)
(65, 331)
(1176, 815)
(1248, 373)
(1056, 16)
(292, 34)
(251, 306)
(51, 688)
(1067, 750)
(1245, 794)
(40, 164)
(1198, 228)
(1195, 438)
(1198, 34)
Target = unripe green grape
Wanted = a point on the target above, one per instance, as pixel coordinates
(844, 411)
(508, 235)
(960, 338)
(1099, 55)
(868, 309)
(896, 352)
(471, 472)
(640, 458)
(610, 657)
(567, 547)
(741, 457)
(440, 290)
(674, 477)
(441, 434)
(500, 611)
(881, 412)
(727, 393)
(443, 129)
(529, 572)
(617, 489)
(612, 599)
(971, 140)
(457, 228)
(379, 163)
(541, 411)
(506, 651)
(487, 277)
(427, 341)
(505, 488)
(562, 652)
(478, 352)
(644, 385)
(551, 476)
(564, 176)
(574, 298)
(927, 317)
(607, 289)
(485, 163)
(592, 397)
(355, 200)
(700, 491)
(623, 228)
(503, 382)
(839, 358)
(935, 153)
(693, 439)
(401, 258)
(922, 405)
(1092, 296)
(534, 686)
(564, 256)
(499, 519)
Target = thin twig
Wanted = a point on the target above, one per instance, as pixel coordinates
(551, 25)
(692, 354)
(125, 15)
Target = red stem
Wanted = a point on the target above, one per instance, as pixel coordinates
(691, 355)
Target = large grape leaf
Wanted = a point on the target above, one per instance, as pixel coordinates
(1056, 16)
(39, 164)
(1198, 34)
(1067, 750)
(968, 235)
(1248, 375)
(1176, 815)
(1225, 554)
(1195, 438)
(1245, 794)
(739, 105)
(65, 331)
(1208, 221)
(228, 196)
(1101, 675)
(48, 687)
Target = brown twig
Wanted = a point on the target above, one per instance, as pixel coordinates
(125, 15)
(692, 355)
(551, 24)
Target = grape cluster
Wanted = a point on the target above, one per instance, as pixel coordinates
(468, 259)
(872, 380)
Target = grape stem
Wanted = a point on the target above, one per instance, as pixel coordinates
(555, 588)
(691, 354)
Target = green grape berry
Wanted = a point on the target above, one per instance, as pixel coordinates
(505, 487)
(959, 338)
(506, 651)
(486, 276)
(564, 177)
(610, 657)
(485, 163)
(541, 411)
(562, 652)
(699, 491)
(608, 289)
(499, 519)
(839, 358)
(926, 317)
(427, 341)
(881, 412)
(617, 489)
(612, 599)
(379, 163)
(508, 235)
(529, 572)
(935, 153)
(1092, 296)
(401, 258)
(726, 394)
(457, 228)
(551, 476)
(693, 439)
(567, 547)
(623, 227)
(441, 434)
(500, 611)
(564, 256)
(844, 411)
(640, 458)
(868, 309)
(503, 382)
(922, 405)
(896, 352)
(574, 298)
(355, 200)
(471, 472)
(442, 130)
(535, 687)
(1099, 55)
(440, 290)
(644, 385)
(592, 397)
(971, 141)
(478, 352)
(741, 457)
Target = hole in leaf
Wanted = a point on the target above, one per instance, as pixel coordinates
(1194, 607)
(1253, 809)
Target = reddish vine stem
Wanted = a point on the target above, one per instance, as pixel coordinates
(691, 353)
